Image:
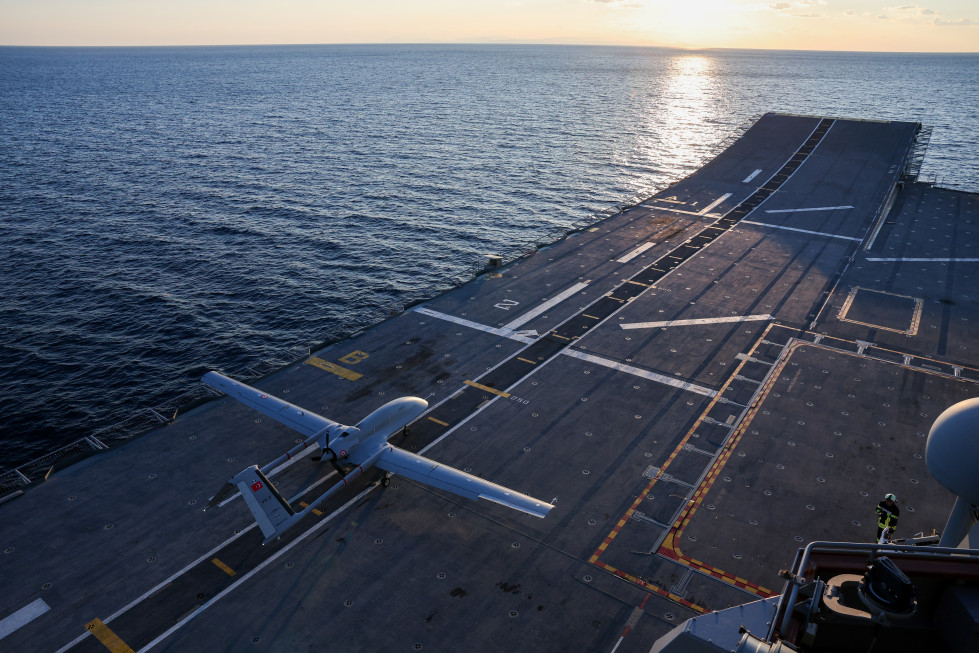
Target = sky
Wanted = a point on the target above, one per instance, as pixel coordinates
(861, 25)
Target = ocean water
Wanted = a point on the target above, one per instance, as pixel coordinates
(165, 211)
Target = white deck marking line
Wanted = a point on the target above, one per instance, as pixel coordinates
(694, 213)
(710, 207)
(751, 176)
(210, 554)
(220, 595)
(636, 252)
(629, 369)
(923, 260)
(703, 320)
(794, 154)
(652, 376)
(546, 306)
(207, 556)
(801, 231)
(702, 212)
(22, 617)
(496, 331)
(815, 208)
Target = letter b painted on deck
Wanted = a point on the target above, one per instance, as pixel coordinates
(354, 357)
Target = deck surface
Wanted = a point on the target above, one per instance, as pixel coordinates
(701, 384)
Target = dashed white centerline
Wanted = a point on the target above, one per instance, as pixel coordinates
(703, 320)
(751, 176)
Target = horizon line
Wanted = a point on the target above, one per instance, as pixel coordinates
(489, 43)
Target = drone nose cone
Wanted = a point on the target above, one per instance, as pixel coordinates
(952, 449)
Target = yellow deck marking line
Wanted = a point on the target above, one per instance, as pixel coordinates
(645, 285)
(671, 538)
(557, 335)
(519, 359)
(591, 316)
(316, 511)
(108, 638)
(223, 567)
(480, 386)
(438, 421)
(333, 368)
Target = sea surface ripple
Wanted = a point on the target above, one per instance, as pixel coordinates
(166, 211)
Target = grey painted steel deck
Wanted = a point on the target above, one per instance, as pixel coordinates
(701, 384)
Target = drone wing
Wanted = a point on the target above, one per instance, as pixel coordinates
(424, 470)
(300, 419)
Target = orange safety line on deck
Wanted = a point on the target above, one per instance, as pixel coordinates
(108, 638)
(487, 389)
(438, 421)
(652, 588)
(526, 361)
(669, 547)
(333, 368)
(591, 316)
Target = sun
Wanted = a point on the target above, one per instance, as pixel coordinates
(695, 23)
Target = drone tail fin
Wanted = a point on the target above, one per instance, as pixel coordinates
(272, 512)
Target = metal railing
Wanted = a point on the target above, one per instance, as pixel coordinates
(917, 155)
(797, 580)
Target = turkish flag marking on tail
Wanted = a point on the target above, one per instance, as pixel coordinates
(256, 486)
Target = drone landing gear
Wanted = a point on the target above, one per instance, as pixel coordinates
(383, 479)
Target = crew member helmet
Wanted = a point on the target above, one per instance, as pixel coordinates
(890, 497)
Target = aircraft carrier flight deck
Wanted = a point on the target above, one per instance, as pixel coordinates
(701, 384)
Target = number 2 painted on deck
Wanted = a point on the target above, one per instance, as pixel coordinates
(506, 304)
